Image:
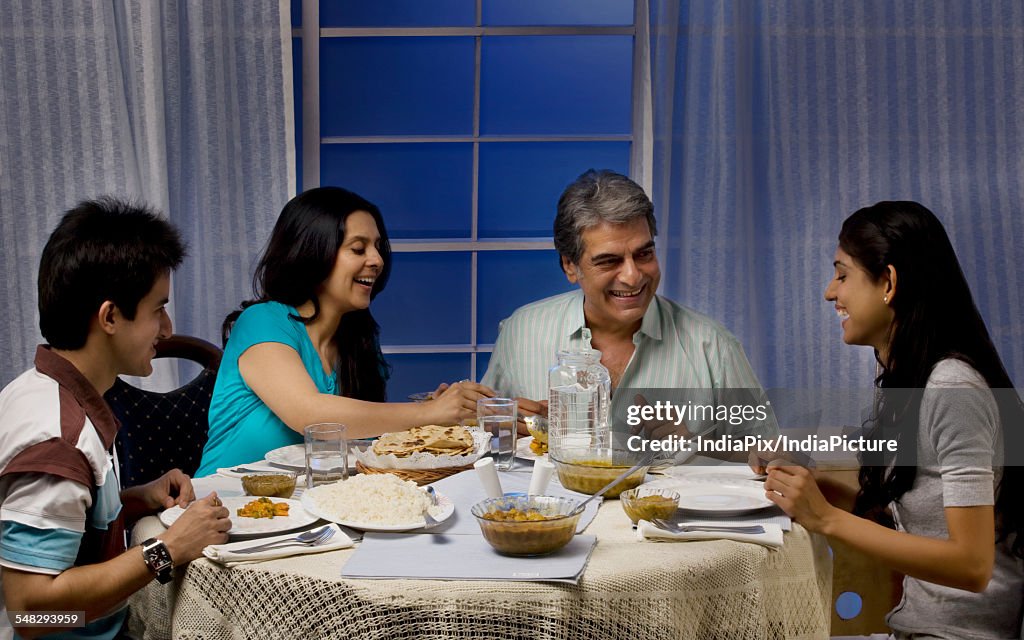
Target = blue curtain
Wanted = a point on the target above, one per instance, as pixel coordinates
(774, 120)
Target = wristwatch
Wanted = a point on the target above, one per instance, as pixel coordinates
(158, 559)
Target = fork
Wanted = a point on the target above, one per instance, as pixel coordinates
(308, 539)
(678, 527)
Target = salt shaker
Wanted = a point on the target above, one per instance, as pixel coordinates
(541, 477)
(489, 477)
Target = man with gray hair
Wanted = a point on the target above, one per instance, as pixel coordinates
(604, 232)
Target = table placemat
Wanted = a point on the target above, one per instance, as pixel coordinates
(461, 557)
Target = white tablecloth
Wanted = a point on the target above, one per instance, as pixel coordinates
(631, 589)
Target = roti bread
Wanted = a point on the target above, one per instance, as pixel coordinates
(434, 439)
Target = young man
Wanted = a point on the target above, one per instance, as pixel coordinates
(104, 281)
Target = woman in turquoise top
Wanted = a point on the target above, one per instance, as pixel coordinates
(307, 349)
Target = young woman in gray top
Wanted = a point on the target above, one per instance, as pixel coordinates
(953, 486)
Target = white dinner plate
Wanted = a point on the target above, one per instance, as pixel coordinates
(293, 457)
(524, 451)
(715, 500)
(297, 517)
(444, 510)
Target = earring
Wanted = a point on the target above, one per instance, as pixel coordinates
(885, 299)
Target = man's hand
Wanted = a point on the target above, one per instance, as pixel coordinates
(529, 407)
(97, 589)
(205, 522)
(172, 488)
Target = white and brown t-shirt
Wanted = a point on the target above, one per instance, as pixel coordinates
(59, 495)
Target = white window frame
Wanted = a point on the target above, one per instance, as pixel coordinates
(641, 138)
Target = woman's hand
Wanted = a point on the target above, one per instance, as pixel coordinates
(794, 489)
(457, 402)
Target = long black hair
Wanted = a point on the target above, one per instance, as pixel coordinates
(935, 318)
(299, 257)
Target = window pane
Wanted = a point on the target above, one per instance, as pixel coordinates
(426, 300)
(424, 190)
(509, 279)
(556, 85)
(416, 372)
(397, 13)
(558, 12)
(296, 11)
(396, 86)
(520, 182)
(482, 360)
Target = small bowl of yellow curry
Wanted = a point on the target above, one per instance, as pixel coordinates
(270, 484)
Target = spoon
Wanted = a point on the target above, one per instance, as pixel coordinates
(427, 518)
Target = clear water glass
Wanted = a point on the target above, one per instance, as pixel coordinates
(326, 453)
(497, 416)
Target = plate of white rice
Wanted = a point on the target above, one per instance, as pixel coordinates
(375, 502)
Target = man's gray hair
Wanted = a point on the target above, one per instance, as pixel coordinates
(596, 197)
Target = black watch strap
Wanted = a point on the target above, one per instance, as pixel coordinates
(158, 559)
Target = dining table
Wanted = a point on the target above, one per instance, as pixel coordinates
(631, 588)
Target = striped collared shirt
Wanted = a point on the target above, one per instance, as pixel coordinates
(675, 348)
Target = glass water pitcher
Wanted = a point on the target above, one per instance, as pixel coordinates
(579, 397)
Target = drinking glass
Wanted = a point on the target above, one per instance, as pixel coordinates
(326, 453)
(497, 416)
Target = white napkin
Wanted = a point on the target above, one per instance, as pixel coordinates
(772, 536)
(225, 553)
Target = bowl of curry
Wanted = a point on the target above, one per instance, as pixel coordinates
(588, 471)
(645, 503)
(527, 525)
(270, 484)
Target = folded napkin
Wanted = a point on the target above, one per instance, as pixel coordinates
(226, 554)
(772, 536)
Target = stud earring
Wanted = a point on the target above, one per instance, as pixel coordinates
(885, 299)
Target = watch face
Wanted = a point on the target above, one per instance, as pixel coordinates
(158, 559)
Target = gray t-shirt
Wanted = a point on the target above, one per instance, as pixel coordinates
(959, 444)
